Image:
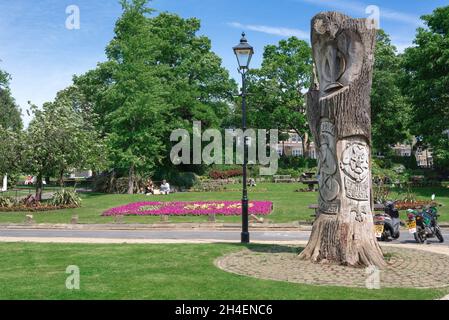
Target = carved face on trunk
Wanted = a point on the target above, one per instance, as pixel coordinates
(337, 56)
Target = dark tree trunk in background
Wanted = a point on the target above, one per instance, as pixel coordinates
(339, 115)
(131, 180)
(39, 187)
(61, 178)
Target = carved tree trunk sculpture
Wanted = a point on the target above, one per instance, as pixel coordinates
(339, 114)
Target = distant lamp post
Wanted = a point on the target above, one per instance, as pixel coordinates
(244, 53)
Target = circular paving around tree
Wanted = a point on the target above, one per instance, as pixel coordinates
(407, 268)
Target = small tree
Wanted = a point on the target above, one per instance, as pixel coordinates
(426, 83)
(276, 89)
(57, 140)
(10, 129)
(10, 151)
(389, 108)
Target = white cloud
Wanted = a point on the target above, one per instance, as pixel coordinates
(360, 8)
(402, 46)
(278, 31)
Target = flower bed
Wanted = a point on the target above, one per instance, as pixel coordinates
(227, 208)
(40, 208)
(404, 205)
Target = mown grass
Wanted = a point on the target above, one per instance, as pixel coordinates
(162, 272)
(289, 206)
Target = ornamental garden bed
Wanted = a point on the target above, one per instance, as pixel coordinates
(40, 208)
(417, 204)
(195, 208)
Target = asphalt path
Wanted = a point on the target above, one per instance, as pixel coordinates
(215, 235)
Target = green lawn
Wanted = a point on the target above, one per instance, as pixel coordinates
(37, 271)
(289, 205)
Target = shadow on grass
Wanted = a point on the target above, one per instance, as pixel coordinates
(93, 194)
(270, 248)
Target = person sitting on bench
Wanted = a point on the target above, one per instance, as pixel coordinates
(165, 187)
(149, 187)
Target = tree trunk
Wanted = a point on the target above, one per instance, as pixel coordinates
(131, 180)
(39, 187)
(339, 115)
(5, 183)
(283, 149)
(61, 178)
(305, 145)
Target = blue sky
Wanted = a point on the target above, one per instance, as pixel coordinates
(42, 55)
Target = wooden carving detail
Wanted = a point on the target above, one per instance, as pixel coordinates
(338, 106)
(329, 185)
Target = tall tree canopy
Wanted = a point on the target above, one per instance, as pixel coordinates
(426, 83)
(389, 108)
(10, 115)
(10, 152)
(159, 76)
(10, 129)
(276, 89)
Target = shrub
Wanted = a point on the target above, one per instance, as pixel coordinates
(7, 202)
(297, 163)
(184, 180)
(381, 193)
(216, 175)
(407, 195)
(289, 172)
(66, 197)
(30, 201)
(121, 185)
(104, 183)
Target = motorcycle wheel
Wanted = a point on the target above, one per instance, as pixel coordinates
(439, 235)
(397, 235)
(418, 236)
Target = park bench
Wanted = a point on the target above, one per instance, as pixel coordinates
(307, 179)
(283, 178)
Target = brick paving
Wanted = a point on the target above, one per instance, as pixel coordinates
(407, 268)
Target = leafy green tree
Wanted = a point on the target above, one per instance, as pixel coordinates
(10, 151)
(91, 141)
(10, 129)
(159, 76)
(10, 115)
(389, 108)
(57, 140)
(426, 83)
(276, 90)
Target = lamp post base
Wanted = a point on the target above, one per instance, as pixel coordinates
(245, 237)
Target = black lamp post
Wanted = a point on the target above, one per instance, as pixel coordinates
(244, 53)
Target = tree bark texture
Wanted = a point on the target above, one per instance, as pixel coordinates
(131, 180)
(339, 112)
(39, 187)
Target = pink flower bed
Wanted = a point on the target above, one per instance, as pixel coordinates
(227, 208)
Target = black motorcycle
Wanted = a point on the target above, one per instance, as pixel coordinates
(387, 225)
(424, 224)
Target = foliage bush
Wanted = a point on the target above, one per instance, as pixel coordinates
(381, 193)
(30, 201)
(104, 182)
(184, 180)
(66, 197)
(215, 174)
(297, 163)
(7, 202)
(289, 172)
(108, 182)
